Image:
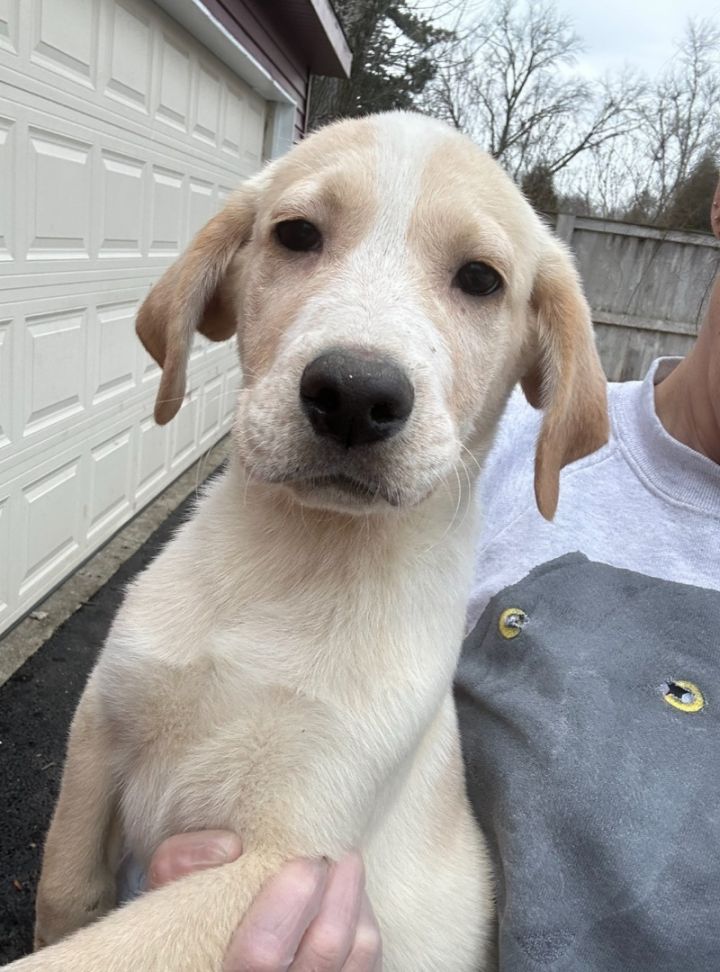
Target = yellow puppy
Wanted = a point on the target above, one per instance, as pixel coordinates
(284, 668)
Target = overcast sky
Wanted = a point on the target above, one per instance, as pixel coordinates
(640, 33)
(637, 32)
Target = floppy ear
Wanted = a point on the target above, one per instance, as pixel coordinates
(566, 379)
(188, 297)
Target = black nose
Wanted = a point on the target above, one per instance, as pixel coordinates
(355, 398)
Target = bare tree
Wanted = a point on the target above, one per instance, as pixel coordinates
(608, 177)
(674, 133)
(506, 72)
(680, 115)
(509, 82)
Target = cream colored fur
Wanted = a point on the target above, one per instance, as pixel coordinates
(284, 668)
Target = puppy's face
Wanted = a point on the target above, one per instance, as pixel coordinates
(388, 285)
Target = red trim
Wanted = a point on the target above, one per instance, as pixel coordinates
(254, 30)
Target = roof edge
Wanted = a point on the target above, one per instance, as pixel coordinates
(195, 17)
(333, 56)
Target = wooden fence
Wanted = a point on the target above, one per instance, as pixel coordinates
(648, 288)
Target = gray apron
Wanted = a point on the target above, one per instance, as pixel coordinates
(588, 700)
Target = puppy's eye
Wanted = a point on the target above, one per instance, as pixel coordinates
(298, 234)
(478, 279)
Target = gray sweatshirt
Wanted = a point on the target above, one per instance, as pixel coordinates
(589, 699)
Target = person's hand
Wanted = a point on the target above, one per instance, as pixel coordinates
(308, 916)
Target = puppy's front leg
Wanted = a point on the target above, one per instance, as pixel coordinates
(77, 881)
(184, 927)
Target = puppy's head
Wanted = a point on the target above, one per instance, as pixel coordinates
(388, 285)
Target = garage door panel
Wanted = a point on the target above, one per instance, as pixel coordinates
(173, 106)
(153, 457)
(58, 201)
(167, 212)
(254, 129)
(122, 195)
(64, 361)
(208, 92)
(65, 38)
(8, 187)
(130, 45)
(129, 94)
(233, 122)
(87, 204)
(7, 432)
(6, 583)
(55, 360)
(74, 499)
(50, 539)
(110, 489)
(203, 203)
(115, 365)
(79, 362)
(9, 25)
(184, 431)
(120, 136)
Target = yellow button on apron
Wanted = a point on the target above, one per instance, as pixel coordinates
(511, 622)
(683, 695)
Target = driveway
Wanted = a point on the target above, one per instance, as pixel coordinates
(36, 707)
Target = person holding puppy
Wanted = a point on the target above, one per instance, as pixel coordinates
(585, 695)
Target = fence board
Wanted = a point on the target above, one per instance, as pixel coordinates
(648, 288)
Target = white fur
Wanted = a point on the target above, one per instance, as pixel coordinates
(284, 670)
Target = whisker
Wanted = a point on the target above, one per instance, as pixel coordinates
(470, 491)
(199, 469)
(474, 458)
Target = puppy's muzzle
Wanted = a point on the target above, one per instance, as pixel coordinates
(355, 398)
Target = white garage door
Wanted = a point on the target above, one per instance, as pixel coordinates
(120, 134)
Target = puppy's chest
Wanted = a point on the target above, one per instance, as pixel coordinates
(210, 747)
(218, 729)
(190, 754)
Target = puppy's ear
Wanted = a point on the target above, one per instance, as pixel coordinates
(565, 378)
(188, 298)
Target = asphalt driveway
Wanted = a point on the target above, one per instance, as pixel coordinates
(36, 707)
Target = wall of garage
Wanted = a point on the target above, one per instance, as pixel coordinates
(120, 134)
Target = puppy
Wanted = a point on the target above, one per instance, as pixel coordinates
(284, 668)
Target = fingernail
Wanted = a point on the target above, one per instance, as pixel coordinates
(220, 850)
